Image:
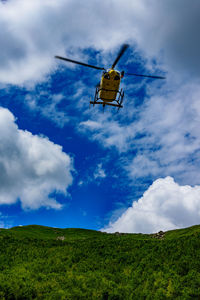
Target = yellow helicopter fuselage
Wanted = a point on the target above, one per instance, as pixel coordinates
(109, 85)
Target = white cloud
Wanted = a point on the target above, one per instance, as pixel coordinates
(172, 28)
(106, 129)
(5, 221)
(48, 108)
(32, 32)
(99, 172)
(159, 138)
(2, 224)
(164, 206)
(170, 140)
(94, 175)
(31, 167)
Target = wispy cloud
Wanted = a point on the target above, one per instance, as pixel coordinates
(93, 175)
(162, 140)
(47, 106)
(99, 172)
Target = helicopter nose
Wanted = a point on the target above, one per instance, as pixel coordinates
(112, 73)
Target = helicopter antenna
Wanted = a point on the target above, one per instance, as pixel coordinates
(121, 52)
(79, 63)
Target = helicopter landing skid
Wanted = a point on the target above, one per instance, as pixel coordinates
(117, 102)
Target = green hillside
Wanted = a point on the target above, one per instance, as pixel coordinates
(39, 262)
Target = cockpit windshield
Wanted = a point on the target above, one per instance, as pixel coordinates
(117, 77)
(106, 76)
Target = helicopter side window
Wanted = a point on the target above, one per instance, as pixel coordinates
(116, 77)
(106, 76)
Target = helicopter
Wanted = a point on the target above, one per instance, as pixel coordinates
(108, 91)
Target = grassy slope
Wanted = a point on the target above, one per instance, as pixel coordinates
(35, 263)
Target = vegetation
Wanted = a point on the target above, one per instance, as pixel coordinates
(39, 262)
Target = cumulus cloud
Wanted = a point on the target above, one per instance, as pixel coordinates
(172, 29)
(33, 32)
(31, 167)
(164, 206)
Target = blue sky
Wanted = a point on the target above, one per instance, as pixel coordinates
(64, 164)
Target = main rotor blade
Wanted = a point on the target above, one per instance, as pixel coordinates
(150, 76)
(79, 63)
(121, 52)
